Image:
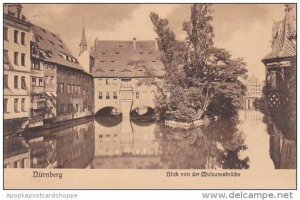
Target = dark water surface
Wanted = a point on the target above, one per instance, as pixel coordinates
(107, 142)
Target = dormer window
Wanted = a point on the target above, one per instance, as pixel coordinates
(120, 46)
(117, 52)
(103, 53)
(43, 30)
(49, 54)
(141, 52)
(113, 61)
(61, 46)
(51, 42)
(102, 61)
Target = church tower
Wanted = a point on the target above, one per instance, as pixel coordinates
(83, 43)
(85, 57)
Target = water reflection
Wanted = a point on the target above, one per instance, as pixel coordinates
(110, 142)
(152, 145)
(71, 147)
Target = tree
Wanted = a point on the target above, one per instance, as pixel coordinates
(197, 73)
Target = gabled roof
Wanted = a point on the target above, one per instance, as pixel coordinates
(53, 49)
(124, 59)
(284, 34)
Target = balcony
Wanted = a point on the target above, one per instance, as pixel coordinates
(38, 104)
(37, 89)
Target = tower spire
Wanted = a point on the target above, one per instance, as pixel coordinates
(83, 43)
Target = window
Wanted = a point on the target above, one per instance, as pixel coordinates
(6, 60)
(35, 65)
(46, 79)
(23, 83)
(106, 82)
(5, 81)
(137, 95)
(69, 89)
(52, 79)
(23, 38)
(16, 164)
(115, 95)
(77, 107)
(22, 59)
(62, 109)
(16, 101)
(16, 34)
(61, 88)
(16, 55)
(16, 80)
(22, 163)
(5, 34)
(33, 81)
(107, 95)
(5, 105)
(70, 108)
(100, 95)
(34, 50)
(78, 89)
(23, 104)
(40, 82)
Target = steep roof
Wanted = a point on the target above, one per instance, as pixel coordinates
(124, 59)
(284, 32)
(83, 39)
(53, 49)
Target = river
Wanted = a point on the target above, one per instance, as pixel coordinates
(106, 142)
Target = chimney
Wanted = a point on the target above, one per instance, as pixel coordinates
(134, 43)
(156, 43)
(288, 8)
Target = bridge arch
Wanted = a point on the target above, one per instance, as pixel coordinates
(108, 116)
(142, 113)
(108, 110)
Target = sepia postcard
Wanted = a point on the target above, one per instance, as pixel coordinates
(149, 96)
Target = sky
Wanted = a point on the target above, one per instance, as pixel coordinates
(243, 29)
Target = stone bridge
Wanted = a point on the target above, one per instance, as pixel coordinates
(126, 101)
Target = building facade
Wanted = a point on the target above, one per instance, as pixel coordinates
(16, 36)
(254, 91)
(121, 72)
(67, 90)
(280, 66)
(37, 84)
